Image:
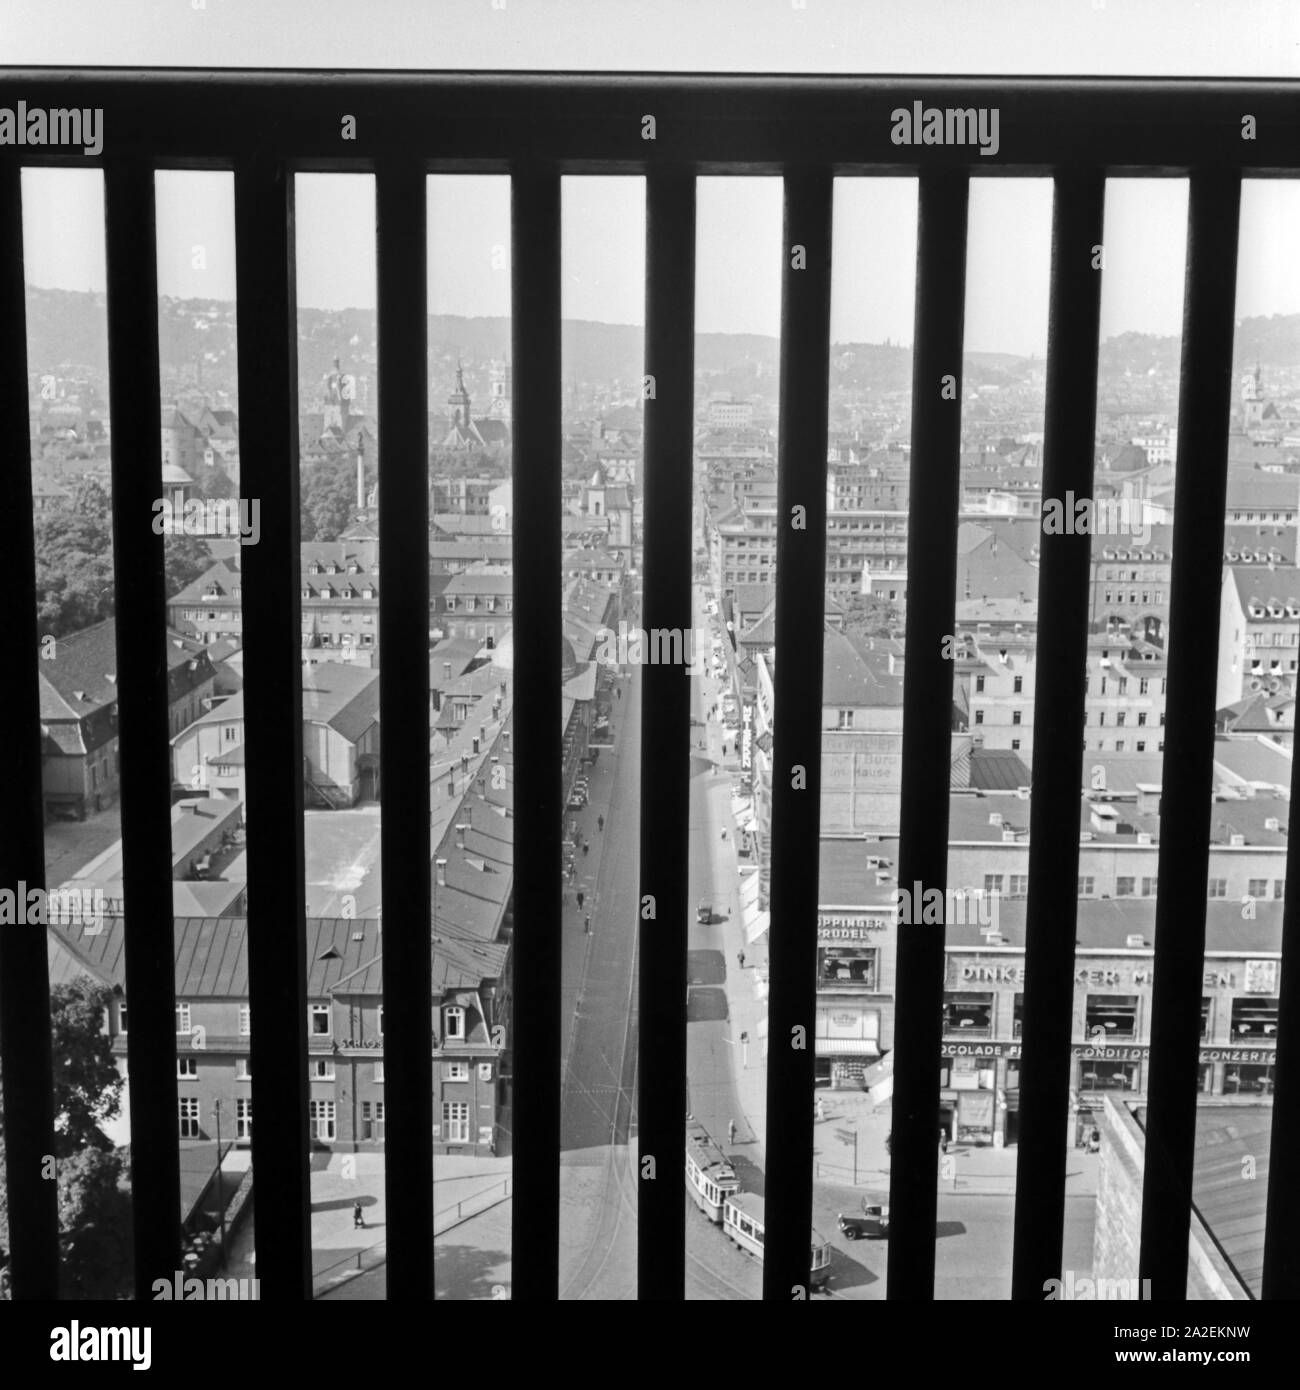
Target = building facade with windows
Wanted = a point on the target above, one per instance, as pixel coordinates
(343, 1023)
(1111, 1018)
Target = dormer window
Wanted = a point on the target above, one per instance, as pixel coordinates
(314, 567)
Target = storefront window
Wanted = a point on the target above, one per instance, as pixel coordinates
(847, 964)
(1115, 1014)
(1247, 1079)
(1255, 1019)
(1205, 1019)
(968, 1015)
(1017, 1015)
(1205, 1082)
(1098, 1075)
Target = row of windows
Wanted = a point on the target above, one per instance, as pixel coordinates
(490, 605)
(319, 1020)
(322, 1121)
(1108, 1017)
(1117, 596)
(1130, 886)
(322, 1069)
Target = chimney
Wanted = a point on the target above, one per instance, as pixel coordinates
(461, 828)
(476, 745)
(440, 866)
(361, 481)
(446, 670)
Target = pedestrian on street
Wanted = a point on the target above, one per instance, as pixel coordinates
(731, 1134)
(585, 848)
(821, 1109)
(586, 926)
(580, 899)
(618, 693)
(943, 1139)
(358, 1218)
(600, 822)
(740, 956)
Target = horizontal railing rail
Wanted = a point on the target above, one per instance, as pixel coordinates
(535, 128)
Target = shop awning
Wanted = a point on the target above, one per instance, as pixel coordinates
(756, 924)
(847, 1047)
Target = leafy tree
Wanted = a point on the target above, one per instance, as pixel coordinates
(328, 498)
(95, 1225)
(74, 563)
(87, 1084)
(94, 1202)
(214, 481)
(185, 558)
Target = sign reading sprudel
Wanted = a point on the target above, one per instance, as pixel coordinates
(36, 126)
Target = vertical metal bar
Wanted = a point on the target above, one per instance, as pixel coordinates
(143, 729)
(935, 486)
(665, 704)
(538, 634)
(401, 203)
(1074, 318)
(272, 632)
(1200, 494)
(25, 1051)
(797, 728)
(1281, 1273)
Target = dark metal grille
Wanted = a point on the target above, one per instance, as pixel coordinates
(266, 127)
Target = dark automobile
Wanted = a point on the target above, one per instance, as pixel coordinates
(873, 1224)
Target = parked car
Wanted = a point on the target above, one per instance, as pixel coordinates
(873, 1224)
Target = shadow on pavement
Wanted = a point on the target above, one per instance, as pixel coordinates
(850, 1273)
(705, 968)
(344, 1204)
(464, 1272)
(750, 1174)
(706, 1005)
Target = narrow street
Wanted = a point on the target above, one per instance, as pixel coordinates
(598, 1115)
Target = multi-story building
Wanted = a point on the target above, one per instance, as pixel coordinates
(984, 995)
(1259, 642)
(340, 737)
(78, 683)
(474, 603)
(1111, 1014)
(727, 413)
(862, 741)
(344, 1024)
(340, 603)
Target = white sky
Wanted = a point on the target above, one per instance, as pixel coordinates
(739, 219)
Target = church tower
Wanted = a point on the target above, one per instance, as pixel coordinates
(458, 401)
(1252, 400)
(499, 406)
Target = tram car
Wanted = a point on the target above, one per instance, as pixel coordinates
(709, 1176)
(742, 1221)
